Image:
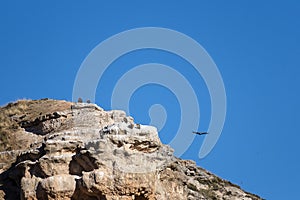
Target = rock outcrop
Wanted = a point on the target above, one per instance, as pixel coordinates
(61, 150)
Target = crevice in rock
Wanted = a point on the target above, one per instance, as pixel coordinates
(32, 155)
(144, 146)
(44, 124)
(10, 189)
(36, 170)
(41, 194)
(82, 161)
(117, 142)
(10, 182)
(140, 197)
(81, 193)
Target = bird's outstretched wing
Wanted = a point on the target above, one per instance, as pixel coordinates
(200, 133)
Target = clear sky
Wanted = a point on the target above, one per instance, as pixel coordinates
(255, 45)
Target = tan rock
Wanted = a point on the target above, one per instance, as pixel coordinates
(79, 151)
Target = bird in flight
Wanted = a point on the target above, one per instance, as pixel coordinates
(200, 133)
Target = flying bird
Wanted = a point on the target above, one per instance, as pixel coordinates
(200, 133)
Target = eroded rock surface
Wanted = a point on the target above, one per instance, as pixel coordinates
(79, 151)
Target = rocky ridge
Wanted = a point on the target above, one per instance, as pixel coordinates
(61, 150)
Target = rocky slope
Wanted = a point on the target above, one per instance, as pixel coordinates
(61, 150)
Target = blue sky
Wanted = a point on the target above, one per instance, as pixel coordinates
(255, 45)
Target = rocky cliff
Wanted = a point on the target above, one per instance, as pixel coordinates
(61, 150)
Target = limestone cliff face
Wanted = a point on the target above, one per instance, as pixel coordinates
(62, 150)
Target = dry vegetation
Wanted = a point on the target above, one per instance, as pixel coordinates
(7, 125)
(23, 110)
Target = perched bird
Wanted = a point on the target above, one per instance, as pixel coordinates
(200, 133)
